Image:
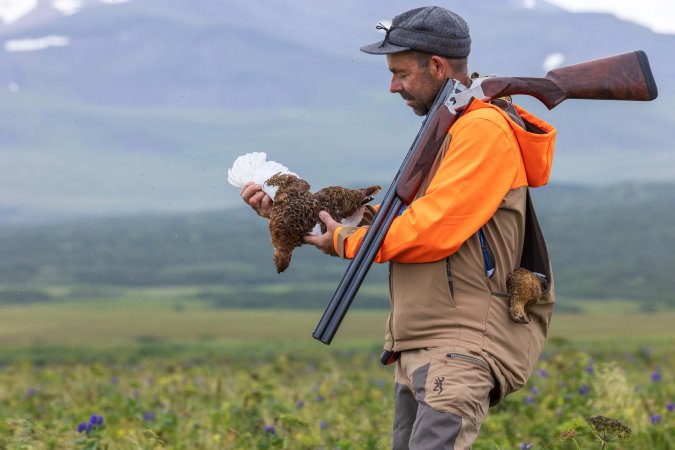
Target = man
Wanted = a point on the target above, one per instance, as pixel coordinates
(456, 349)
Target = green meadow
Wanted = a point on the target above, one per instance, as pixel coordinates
(162, 317)
(166, 372)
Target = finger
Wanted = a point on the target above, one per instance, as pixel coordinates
(245, 186)
(310, 239)
(265, 206)
(266, 202)
(255, 200)
(327, 219)
(249, 191)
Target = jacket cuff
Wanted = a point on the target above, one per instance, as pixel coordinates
(339, 237)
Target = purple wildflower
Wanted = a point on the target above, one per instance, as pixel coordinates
(269, 429)
(543, 373)
(30, 392)
(95, 421)
(299, 404)
(114, 379)
(670, 407)
(656, 376)
(589, 369)
(149, 416)
(525, 446)
(654, 419)
(320, 398)
(534, 390)
(323, 425)
(529, 400)
(379, 383)
(583, 390)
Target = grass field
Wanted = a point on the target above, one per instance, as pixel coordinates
(166, 320)
(170, 373)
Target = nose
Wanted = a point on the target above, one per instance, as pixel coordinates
(395, 86)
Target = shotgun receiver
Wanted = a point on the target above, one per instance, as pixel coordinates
(621, 77)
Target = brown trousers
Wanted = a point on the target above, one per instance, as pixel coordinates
(442, 396)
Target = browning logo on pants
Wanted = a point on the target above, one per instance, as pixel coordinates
(444, 394)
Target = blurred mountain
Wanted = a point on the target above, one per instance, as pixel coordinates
(126, 106)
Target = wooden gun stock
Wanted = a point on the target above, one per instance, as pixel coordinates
(621, 77)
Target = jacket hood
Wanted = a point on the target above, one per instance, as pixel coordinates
(535, 137)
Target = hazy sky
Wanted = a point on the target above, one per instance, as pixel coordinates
(659, 15)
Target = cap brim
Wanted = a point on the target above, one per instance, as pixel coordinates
(378, 49)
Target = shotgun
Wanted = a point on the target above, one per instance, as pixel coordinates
(621, 77)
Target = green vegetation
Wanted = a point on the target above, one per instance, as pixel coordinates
(171, 373)
(160, 325)
(166, 319)
(605, 243)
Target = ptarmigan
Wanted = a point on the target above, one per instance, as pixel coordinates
(295, 211)
(524, 288)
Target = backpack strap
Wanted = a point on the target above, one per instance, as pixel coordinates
(535, 253)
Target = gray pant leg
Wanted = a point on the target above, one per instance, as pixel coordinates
(432, 429)
(405, 411)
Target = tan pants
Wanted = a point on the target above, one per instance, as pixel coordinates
(442, 396)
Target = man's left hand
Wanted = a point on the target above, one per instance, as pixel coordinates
(324, 242)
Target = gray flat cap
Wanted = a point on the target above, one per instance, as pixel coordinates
(431, 29)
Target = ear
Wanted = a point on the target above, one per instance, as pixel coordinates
(438, 67)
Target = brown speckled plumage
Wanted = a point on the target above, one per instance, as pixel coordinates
(296, 210)
(524, 288)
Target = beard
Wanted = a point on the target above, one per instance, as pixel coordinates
(418, 106)
(422, 101)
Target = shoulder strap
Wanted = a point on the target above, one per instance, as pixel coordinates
(535, 254)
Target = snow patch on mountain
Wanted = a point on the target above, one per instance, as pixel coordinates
(13, 10)
(32, 44)
(68, 7)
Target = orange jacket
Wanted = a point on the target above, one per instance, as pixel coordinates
(487, 157)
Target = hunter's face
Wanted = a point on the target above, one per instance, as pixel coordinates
(413, 82)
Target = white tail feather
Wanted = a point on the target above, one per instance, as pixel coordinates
(255, 167)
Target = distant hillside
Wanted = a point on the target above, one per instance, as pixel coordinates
(606, 243)
(143, 105)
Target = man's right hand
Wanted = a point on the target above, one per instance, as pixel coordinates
(258, 200)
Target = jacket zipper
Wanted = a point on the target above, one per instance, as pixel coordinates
(488, 258)
(470, 359)
(451, 284)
